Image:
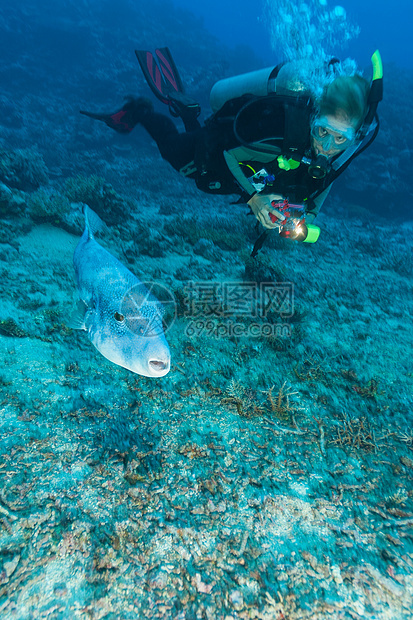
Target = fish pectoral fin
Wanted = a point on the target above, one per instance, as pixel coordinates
(78, 316)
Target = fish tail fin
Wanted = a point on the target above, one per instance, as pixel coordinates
(92, 221)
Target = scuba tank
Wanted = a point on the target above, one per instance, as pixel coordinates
(286, 78)
(258, 83)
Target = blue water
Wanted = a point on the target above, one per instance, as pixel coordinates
(383, 25)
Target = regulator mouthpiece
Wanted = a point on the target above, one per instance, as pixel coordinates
(319, 167)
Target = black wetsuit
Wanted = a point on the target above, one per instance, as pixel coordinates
(247, 135)
(198, 149)
(282, 122)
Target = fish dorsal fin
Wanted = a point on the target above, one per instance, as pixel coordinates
(93, 222)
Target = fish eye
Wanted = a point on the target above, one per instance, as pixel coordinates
(119, 317)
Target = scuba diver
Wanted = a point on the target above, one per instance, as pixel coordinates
(268, 140)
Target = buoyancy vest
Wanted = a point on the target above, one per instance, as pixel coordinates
(257, 132)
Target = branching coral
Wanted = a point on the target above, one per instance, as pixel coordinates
(357, 433)
(244, 400)
(281, 403)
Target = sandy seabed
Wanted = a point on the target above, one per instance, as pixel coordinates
(264, 477)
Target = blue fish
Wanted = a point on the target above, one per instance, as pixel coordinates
(122, 317)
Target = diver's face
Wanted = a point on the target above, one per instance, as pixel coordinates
(331, 135)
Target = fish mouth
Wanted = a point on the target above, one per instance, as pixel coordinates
(159, 367)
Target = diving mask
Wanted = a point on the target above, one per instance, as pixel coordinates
(332, 136)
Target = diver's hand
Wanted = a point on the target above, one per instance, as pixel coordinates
(309, 218)
(261, 207)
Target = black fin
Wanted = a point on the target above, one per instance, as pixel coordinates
(165, 82)
(155, 75)
(125, 119)
(114, 121)
(169, 70)
(183, 106)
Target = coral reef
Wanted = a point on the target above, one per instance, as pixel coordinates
(48, 205)
(22, 169)
(11, 202)
(269, 475)
(99, 195)
(194, 229)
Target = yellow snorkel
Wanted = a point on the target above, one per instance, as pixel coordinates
(375, 94)
(377, 66)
